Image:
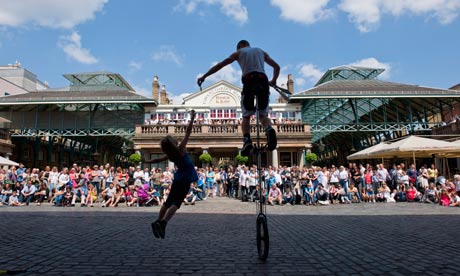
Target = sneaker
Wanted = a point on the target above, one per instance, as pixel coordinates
(161, 228)
(271, 138)
(247, 147)
(154, 229)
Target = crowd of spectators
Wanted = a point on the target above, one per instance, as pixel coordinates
(109, 186)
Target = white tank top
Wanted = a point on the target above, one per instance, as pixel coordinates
(251, 60)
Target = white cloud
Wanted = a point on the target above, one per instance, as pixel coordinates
(49, 13)
(135, 66)
(310, 72)
(374, 63)
(168, 53)
(231, 8)
(303, 11)
(71, 45)
(178, 99)
(367, 14)
(228, 73)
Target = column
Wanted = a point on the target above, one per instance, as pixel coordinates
(302, 158)
(275, 158)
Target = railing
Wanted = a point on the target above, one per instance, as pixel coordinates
(217, 130)
(451, 128)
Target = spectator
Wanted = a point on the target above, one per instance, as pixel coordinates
(13, 200)
(190, 197)
(108, 195)
(6, 193)
(322, 195)
(333, 194)
(288, 197)
(342, 194)
(42, 193)
(92, 195)
(445, 198)
(275, 196)
(412, 194)
(27, 193)
(430, 195)
(117, 195)
(309, 195)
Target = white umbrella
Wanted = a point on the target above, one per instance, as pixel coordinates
(7, 162)
(368, 152)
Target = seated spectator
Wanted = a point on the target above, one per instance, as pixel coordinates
(13, 200)
(309, 194)
(67, 199)
(27, 193)
(333, 195)
(275, 195)
(154, 196)
(190, 197)
(455, 199)
(92, 195)
(445, 199)
(353, 194)
(58, 196)
(42, 193)
(80, 190)
(297, 197)
(117, 195)
(322, 195)
(342, 195)
(107, 195)
(288, 197)
(431, 195)
(412, 194)
(5, 193)
(392, 199)
(383, 193)
(131, 195)
(401, 193)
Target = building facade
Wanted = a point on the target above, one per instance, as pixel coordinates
(217, 128)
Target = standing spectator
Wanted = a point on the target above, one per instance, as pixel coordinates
(96, 177)
(432, 173)
(63, 178)
(53, 180)
(210, 182)
(334, 176)
(20, 173)
(343, 179)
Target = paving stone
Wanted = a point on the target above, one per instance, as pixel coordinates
(217, 237)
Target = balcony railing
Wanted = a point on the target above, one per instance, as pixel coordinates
(218, 130)
(449, 129)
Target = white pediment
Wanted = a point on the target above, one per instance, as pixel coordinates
(220, 94)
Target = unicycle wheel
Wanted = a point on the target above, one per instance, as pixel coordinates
(262, 237)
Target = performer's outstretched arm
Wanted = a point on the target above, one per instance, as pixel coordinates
(184, 141)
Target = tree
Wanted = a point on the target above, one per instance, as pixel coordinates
(135, 158)
(240, 159)
(310, 158)
(205, 158)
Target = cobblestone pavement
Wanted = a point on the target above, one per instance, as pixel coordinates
(217, 237)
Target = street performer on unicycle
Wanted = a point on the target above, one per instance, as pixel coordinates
(255, 87)
(255, 83)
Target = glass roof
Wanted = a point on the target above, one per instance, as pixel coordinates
(350, 73)
(95, 80)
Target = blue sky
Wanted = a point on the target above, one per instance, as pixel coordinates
(416, 41)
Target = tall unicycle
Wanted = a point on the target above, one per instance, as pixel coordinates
(262, 236)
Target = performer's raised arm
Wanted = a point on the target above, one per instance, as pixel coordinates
(188, 131)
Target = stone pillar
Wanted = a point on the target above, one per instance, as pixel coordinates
(275, 158)
(302, 158)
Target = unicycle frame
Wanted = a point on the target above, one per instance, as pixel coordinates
(262, 235)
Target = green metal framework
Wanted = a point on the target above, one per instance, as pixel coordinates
(98, 110)
(350, 110)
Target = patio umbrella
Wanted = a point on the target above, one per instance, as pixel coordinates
(368, 153)
(7, 162)
(415, 146)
